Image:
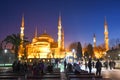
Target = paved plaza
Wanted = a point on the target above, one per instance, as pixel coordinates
(113, 74)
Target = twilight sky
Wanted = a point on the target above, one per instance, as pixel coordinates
(80, 18)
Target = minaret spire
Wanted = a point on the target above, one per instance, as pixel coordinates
(59, 31)
(59, 21)
(22, 25)
(106, 35)
(94, 40)
(22, 29)
(105, 25)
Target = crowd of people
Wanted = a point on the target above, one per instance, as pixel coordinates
(40, 67)
(111, 64)
(89, 65)
(36, 67)
(98, 65)
(18, 66)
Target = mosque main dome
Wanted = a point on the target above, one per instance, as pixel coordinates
(46, 37)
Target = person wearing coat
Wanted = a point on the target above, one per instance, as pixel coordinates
(90, 65)
(98, 67)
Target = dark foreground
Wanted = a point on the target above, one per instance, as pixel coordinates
(56, 75)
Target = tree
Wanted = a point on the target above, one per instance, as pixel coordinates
(99, 51)
(114, 43)
(113, 54)
(89, 51)
(73, 46)
(79, 51)
(86, 55)
(15, 40)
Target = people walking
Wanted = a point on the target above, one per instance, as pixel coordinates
(90, 65)
(41, 66)
(65, 65)
(106, 64)
(98, 67)
(110, 64)
(69, 67)
(56, 62)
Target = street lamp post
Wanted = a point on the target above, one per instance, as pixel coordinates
(5, 51)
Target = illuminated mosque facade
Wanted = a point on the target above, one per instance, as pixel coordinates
(44, 46)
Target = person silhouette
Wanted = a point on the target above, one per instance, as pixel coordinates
(90, 65)
(98, 67)
(65, 64)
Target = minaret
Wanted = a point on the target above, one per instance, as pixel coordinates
(94, 41)
(21, 48)
(106, 35)
(59, 32)
(62, 43)
(22, 30)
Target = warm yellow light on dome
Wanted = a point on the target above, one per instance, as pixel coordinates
(45, 50)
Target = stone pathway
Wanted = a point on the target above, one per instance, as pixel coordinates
(63, 76)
